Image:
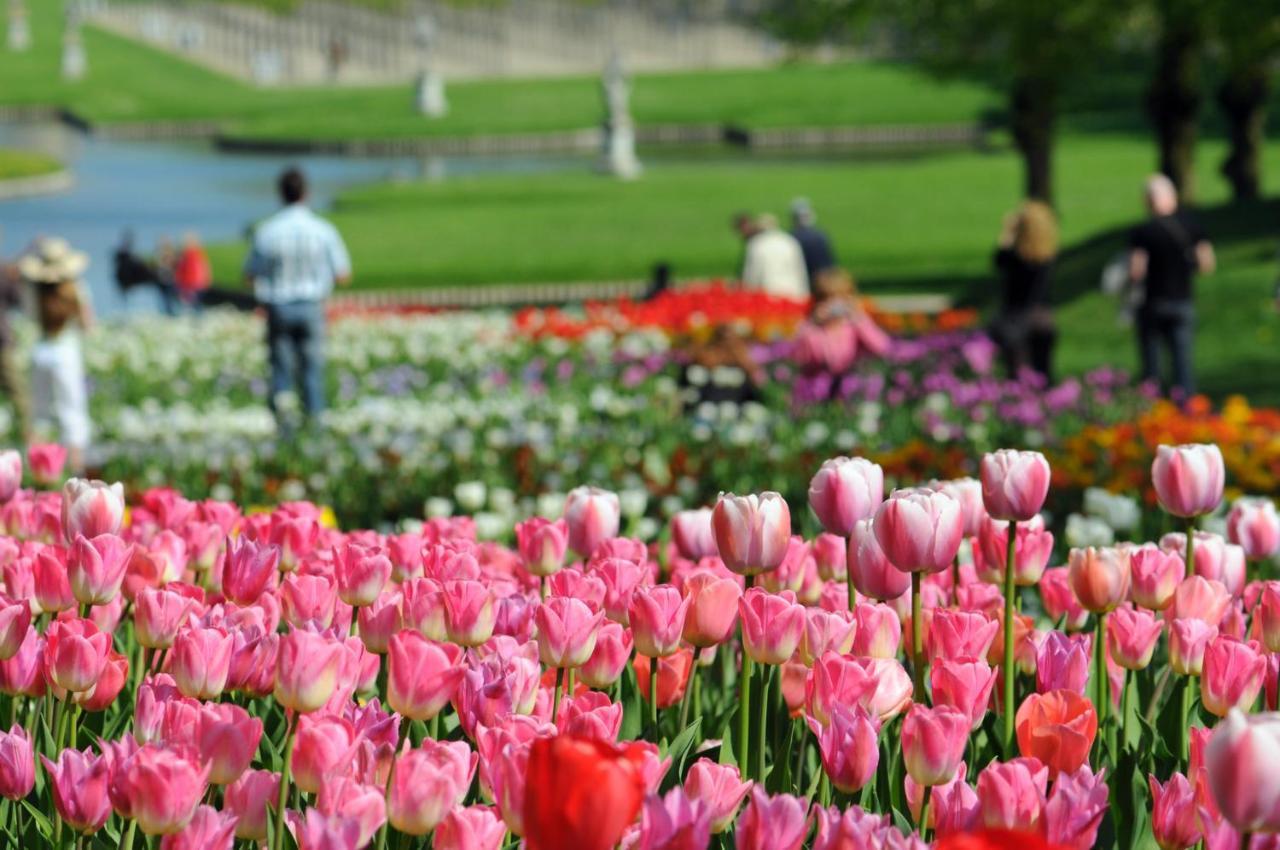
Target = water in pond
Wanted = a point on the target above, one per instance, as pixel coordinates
(165, 189)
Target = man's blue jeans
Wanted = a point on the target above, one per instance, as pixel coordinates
(295, 341)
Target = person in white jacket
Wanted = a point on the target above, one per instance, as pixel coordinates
(772, 261)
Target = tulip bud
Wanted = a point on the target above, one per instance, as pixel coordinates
(1241, 760)
(752, 532)
(933, 742)
(691, 533)
(91, 508)
(1188, 479)
(846, 490)
(592, 516)
(10, 474)
(1014, 484)
(1099, 577)
(919, 530)
(1255, 526)
(542, 544)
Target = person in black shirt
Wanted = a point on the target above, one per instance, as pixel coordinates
(819, 256)
(1024, 328)
(1165, 254)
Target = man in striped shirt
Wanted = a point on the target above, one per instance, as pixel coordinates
(296, 259)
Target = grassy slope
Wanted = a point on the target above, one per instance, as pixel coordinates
(130, 82)
(15, 163)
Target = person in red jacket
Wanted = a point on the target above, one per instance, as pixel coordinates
(191, 273)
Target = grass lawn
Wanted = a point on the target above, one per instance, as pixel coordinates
(914, 224)
(14, 163)
(131, 82)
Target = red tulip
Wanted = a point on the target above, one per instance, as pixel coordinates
(580, 793)
(1057, 728)
(994, 839)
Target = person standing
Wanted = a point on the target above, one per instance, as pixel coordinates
(295, 260)
(772, 260)
(1165, 254)
(819, 256)
(58, 383)
(1024, 328)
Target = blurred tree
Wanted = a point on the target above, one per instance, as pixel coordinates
(1174, 96)
(1249, 34)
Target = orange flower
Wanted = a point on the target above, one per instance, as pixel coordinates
(673, 676)
(1057, 728)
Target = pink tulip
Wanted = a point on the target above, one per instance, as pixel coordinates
(294, 536)
(1014, 484)
(752, 532)
(1215, 559)
(96, 568)
(201, 661)
(1201, 599)
(349, 799)
(830, 554)
(75, 654)
(873, 574)
(567, 630)
(379, 621)
(208, 829)
(1255, 526)
(1099, 577)
(609, 658)
(954, 806)
(591, 714)
(1232, 675)
(159, 788)
(657, 617)
(323, 747)
(1013, 794)
(17, 764)
(47, 461)
(963, 685)
(968, 492)
(1173, 813)
(469, 612)
(1241, 761)
(878, 633)
(1032, 547)
(1075, 809)
(1059, 599)
(10, 474)
(825, 632)
(318, 831)
(1062, 662)
(674, 822)
(772, 625)
(1188, 640)
(428, 783)
(772, 823)
(849, 745)
(691, 533)
(228, 741)
(422, 608)
(1188, 479)
(248, 799)
(250, 570)
(79, 785)
(933, 742)
(361, 573)
(91, 508)
(919, 530)
(1156, 574)
(713, 608)
(718, 786)
(1267, 615)
(592, 515)
(52, 589)
(471, 828)
(1132, 634)
(307, 668)
(308, 601)
(542, 544)
(846, 490)
(158, 615)
(24, 673)
(621, 577)
(15, 622)
(959, 635)
(421, 675)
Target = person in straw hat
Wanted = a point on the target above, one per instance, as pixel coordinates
(58, 385)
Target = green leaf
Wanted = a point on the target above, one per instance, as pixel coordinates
(682, 744)
(40, 818)
(632, 707)
(727, 755)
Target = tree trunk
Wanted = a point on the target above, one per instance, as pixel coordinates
(1243, 98)
(1033, 104)
(1173, 102)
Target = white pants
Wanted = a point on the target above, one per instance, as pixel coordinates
(58, 389)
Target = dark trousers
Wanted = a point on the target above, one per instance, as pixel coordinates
(295, 342)
(1171, 325)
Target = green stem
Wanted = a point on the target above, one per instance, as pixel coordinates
(766, 681)
(848, 581)
(955, 581)
(923, 826)
(653, 693)
(74, 726)
(555, 699)
(434, 726)
(802, 745)
(1126, 701)
(824, 789)
(1184, 728)
(282, 802)
(1009, 590)
(688, 694)
(1102, 686)
(917, 641)
(697, 690)
(744, 718)
(391, 775)
(1191, 546)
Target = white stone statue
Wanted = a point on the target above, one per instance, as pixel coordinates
(19, 27)
(74, 61)
(619, 131)
(429, 96)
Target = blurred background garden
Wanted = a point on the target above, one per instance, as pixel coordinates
(537, 195)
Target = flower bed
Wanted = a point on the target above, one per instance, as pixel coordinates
(193, 674)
